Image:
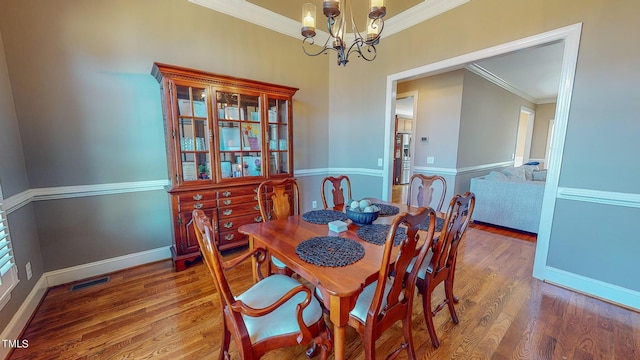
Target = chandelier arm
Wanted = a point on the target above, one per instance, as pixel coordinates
(311, 42)
(357, 47)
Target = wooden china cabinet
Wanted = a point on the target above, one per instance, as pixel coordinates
(224, 136)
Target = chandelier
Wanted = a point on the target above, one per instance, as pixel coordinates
(364, 46)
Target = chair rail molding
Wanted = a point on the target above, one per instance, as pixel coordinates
(16, 201)
(600, 197)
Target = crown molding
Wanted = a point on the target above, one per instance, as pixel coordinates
(489, 76)
(260, 16)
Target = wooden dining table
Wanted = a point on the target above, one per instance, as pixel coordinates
(339, 286)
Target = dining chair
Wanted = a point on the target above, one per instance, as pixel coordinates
(275, 312)
(337, 187)
(440, 264)
(422, 188)
(278, 199)
(387, 300)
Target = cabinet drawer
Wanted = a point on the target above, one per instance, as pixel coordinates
(196, 196)
(234, 223)
(191, 205)
(238, 210)
(251, 198)
(233, 238)
(237, 191)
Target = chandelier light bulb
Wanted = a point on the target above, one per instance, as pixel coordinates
(363, 46)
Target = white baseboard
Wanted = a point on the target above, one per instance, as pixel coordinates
(21, 317)
(591, 287)
(58, 277)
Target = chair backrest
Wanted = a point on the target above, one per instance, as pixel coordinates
(445, 250)
(211, 256)
(400, 296)
(337, 190)
(278, 199)
(422, 188)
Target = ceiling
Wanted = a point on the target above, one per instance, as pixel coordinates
(293, 9)
(532, 73)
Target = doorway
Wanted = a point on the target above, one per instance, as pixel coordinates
(523, 137)
(569, 36)
(402, 155)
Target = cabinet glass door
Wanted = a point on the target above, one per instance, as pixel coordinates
(238, 118)
(278, 136)
(193, 134)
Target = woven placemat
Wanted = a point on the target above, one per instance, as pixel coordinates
(331, 251)
(377, 234)
(439, 225)
(323, 216)
(387, 210)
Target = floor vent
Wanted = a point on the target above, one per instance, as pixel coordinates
(90, 283)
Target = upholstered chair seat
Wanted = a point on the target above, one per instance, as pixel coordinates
(279, 322)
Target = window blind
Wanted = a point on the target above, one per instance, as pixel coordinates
(8, 271)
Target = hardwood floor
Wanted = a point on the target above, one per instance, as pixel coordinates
(152, 312)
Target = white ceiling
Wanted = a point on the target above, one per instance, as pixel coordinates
(531, 73)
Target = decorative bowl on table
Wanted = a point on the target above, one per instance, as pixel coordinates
(362, 212)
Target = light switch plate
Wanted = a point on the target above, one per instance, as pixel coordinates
(430, 160)
(379, 161)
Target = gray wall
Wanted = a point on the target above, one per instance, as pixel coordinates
(438, 117)
(13, 178)
(488, 122)
(89, 113)
(602, 108)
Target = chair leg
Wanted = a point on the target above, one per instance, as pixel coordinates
(408, 336)
(428, 317)
(448, 289)
(326, 343)
(226, 340)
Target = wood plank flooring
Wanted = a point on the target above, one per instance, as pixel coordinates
(151, 312)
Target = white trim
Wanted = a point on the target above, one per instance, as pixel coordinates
(458, 171)
(600, 197)
(597, 288)
(310, 172)
(570, 35)
(430, 170)
(337, 171)
(63, 276)
(244, 10)
(21, 318)
(16, 201)
(491, 77)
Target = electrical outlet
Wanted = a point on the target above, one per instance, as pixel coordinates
(314, 204)
(28, 269)
(379, 161)
(430, 159)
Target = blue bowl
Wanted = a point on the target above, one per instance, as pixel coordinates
(362, 218)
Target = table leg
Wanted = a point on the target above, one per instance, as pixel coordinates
(339, 315)
(254, 262)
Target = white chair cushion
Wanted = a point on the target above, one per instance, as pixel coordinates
(425, 265)
(366, 296)
(277, 263)
(282, 320)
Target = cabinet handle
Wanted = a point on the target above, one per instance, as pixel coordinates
(257, 207)
(227, 202)
(228, 225)
(229, 237)
(226, 193)
(197, 206)
(197, 197)
(227, 212)
(257, 219)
